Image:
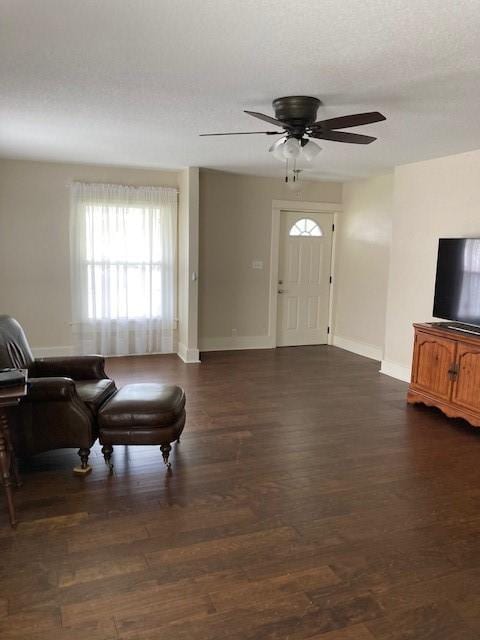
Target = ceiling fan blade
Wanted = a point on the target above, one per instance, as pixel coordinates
(354, 120)
(242, 133)
(262, 116)
(342, 136)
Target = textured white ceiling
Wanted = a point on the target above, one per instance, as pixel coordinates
(133, 82)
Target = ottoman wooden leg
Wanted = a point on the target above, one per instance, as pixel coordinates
(85, 468)
(165, 449)
(107, 451)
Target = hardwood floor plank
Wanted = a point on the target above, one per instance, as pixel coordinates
(290, 617)
(355, 632)
(148, 618)
(41, 525)
(243, 544)
(252, 592)
(26, 623)
(432, 622)
(100, 570)
(84, 540)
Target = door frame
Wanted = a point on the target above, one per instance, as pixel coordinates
(279, 206)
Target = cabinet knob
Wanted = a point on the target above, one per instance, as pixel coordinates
(453, 371)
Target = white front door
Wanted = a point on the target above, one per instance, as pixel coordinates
(304, 278)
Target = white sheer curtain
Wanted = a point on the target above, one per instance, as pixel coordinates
(123, 251)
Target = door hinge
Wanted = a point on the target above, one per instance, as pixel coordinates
(330, 280)
(333, 227)
(328, 330)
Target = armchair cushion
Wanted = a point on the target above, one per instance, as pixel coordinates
(95, 392)
(76, 367)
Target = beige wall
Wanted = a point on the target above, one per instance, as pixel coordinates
(235, 229)
(363, 235)
(433, 199)
(34, 240)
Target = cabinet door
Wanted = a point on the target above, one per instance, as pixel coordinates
(433, 358)
(466, 390)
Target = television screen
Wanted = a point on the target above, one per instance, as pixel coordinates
(457, 285)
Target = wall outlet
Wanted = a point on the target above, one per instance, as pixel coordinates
(257, 264)
(234, 333)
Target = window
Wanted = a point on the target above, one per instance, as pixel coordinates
(306, 227)
(123, 268)
(123, 261)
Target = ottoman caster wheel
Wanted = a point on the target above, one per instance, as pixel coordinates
(165, 449)
(107, 451)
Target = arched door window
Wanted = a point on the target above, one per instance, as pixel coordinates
(305, 227)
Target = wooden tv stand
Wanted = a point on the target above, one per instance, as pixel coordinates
(446, 371)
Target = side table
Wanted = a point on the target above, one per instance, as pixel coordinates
(9, 397)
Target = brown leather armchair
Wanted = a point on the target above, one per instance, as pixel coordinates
(64, 396)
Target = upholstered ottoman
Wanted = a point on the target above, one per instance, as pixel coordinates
(144, 413)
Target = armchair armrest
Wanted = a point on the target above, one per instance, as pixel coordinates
(48, 389)
(76, 367)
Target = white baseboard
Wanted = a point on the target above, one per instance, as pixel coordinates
(59, 352)
(395, 370)
(53, 352)
(189, 356)
(360, 348)
(234, 343)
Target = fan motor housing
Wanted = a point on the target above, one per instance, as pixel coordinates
(297, 111)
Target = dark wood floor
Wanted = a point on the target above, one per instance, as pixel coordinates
(306, 501)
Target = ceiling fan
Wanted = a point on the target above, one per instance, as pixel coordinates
(296, 115)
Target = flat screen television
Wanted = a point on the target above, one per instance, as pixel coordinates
(457, 284)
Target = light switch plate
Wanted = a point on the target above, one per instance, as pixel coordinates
(257, 264)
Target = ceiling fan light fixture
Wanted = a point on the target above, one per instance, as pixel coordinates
(277, 149)
(310, 151)
(296, 116)
(291, 149)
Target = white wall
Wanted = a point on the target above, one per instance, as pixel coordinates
(432, 199)
(235, 229)
(34, 242)
(363, 236)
